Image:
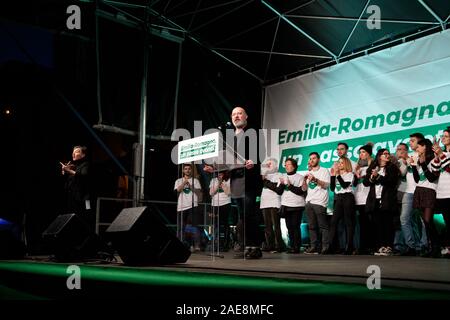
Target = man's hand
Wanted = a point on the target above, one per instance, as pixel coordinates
(249, 164)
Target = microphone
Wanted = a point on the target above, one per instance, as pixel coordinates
(225, 126)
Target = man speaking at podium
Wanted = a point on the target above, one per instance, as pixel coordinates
(245, 183)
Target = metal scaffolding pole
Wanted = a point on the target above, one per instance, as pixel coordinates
(138, 191)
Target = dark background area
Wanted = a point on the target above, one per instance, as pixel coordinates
(48, 86)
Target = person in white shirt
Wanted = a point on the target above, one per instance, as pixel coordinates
(441, 163)
(219, 190)
(344, 201)
(413, 229)
(270, 203)
(366, 229)
(188, 190)
(316, 184)
(292, 203)
(425, 194)
(342, 151)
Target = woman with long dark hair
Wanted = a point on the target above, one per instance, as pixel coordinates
(441, 163)
(382, 177)
(425, 194)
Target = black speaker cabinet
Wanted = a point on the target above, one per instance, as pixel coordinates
(11, 247)
(141, 237)
(70, 239)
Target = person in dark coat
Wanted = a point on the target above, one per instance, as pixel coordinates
(77, 185)
(382, 177)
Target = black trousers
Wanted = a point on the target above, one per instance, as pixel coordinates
(272, 229)
(366, 229)
(221, 225)
(293, 218)
(248, 224)
(384, 225)
(344, 208)
(443, 206)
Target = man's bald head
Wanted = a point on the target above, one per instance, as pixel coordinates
(239, 117)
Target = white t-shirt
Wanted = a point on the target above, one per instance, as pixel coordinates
(423, 181)
(410, 182)
(347, 177)
(354, 164)
(361, 191)
(403, 170)
(185, 196)
(379, 187)
(317, 194)
(220, 198)
(443, 188)
(269, 198)
(288, 198)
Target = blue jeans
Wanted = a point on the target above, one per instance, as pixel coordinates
(410, 229)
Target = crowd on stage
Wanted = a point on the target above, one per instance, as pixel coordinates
(384, 204)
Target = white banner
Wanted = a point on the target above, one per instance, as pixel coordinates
(199, 148)
(380, 98)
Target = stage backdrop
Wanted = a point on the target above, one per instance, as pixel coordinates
(380, 98)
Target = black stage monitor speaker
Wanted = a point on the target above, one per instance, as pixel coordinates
(70, 239)
(11, 247)
(141, 237)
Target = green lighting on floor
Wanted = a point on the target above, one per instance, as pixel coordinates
(157, 277)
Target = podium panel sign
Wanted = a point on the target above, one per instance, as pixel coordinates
(199, 148)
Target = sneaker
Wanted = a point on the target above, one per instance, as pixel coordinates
(311, 250)
(326, 251)
(380, 252)
(253, 253)
(388, 251)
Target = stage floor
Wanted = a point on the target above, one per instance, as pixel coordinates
(395, 271)
(275, 277)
